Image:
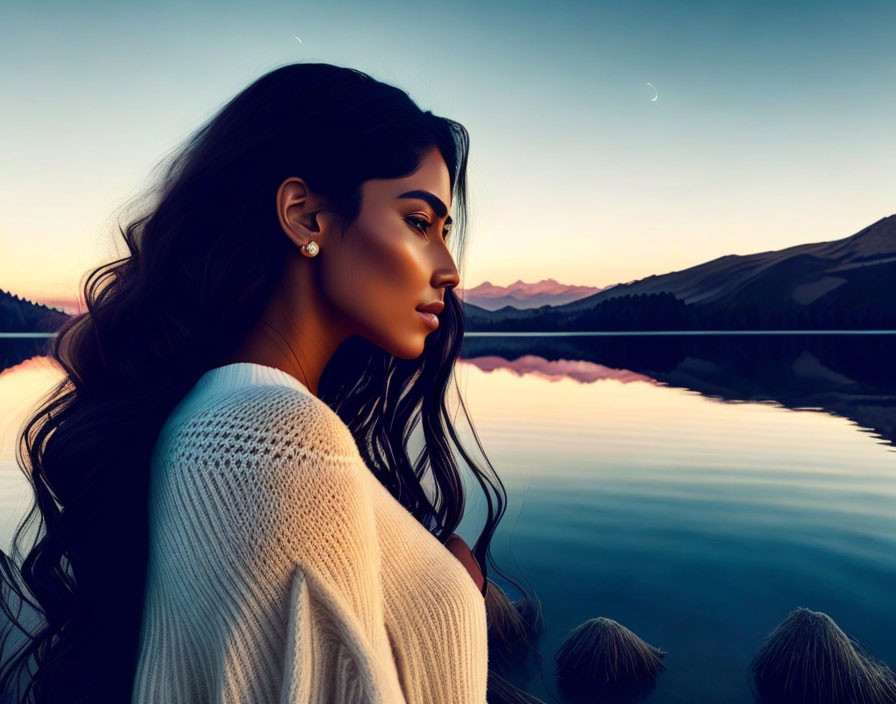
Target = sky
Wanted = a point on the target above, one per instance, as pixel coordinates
(773, 124)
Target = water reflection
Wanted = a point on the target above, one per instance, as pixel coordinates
(851, 376)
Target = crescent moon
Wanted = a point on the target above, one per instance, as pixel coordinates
(655, 91)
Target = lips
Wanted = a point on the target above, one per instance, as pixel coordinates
(429, 313)
(431, 319)
(435, 307)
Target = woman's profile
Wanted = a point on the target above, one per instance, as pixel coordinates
(231, 504)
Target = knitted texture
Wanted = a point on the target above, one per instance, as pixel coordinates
(281, 570)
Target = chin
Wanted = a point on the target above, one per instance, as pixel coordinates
(408, 347)
(406, 352)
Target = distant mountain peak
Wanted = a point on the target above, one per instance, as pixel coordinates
(521, 295)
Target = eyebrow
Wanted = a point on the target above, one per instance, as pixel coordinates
(436, 203)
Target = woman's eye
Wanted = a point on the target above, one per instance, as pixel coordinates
(423, 226)
(419, 223)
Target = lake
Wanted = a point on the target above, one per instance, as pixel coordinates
(696, 488)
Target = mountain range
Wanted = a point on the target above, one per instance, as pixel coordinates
(848, 283)
(520, 295)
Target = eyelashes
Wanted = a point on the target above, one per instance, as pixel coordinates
(423, 225)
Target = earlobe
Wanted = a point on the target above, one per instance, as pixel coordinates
(310, 250)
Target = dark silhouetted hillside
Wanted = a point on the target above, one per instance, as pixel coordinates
(21, 315)
(843, 284)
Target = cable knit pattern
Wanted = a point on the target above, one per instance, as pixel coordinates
(281, 570)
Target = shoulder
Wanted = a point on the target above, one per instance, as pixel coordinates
(265, 421)
(266, 445)
(266, 455)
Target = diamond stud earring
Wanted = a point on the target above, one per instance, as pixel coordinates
(311, 249)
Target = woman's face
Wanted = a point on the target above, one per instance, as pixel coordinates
(393, 259)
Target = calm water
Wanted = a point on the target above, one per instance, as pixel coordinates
(694, 488)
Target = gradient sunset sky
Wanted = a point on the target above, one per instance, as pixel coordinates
(773, 126)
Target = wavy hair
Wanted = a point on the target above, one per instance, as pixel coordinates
(195, 281)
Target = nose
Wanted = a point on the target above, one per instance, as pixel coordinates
(445, 273)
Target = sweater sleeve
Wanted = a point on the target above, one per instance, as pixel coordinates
(273, 574)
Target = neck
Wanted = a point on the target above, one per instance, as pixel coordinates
(296, 333)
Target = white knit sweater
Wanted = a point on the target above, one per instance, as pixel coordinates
(281, 570)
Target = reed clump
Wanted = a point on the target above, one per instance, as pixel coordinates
(808, 659)
(603, 661)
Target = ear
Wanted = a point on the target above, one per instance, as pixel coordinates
(297, 211)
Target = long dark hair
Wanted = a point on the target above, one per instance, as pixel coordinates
(206, 251)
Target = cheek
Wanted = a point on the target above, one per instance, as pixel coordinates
(378, 276)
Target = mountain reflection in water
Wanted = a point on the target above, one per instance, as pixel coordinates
(852, 376)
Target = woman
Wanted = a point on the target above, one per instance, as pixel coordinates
(231, 511)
